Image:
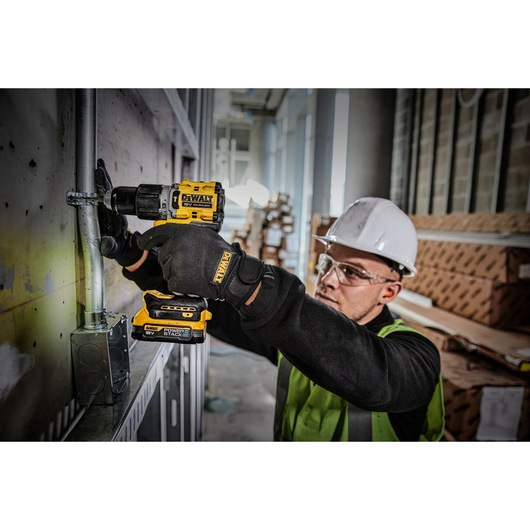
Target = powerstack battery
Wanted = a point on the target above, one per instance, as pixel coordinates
(171, 318)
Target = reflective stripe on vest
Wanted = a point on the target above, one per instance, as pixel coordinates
(311, 413)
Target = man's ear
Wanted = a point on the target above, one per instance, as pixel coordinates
(390, 292)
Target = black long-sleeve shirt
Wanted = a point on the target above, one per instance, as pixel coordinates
(396, 374)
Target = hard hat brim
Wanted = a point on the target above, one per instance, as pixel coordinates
(328, 240)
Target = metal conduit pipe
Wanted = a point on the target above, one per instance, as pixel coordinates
(87, 213)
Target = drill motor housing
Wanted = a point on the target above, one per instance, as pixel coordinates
(177, 317)
(184, 202)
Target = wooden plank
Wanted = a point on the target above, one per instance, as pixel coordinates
(508, 348)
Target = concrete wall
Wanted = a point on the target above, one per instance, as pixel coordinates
(447, 151)
(41, 269)
(365, 156)
(370, 136)
(323, 150)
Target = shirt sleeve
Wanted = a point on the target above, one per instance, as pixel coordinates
(226, 325)
(393, 374)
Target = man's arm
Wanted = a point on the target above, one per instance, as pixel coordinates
(392, 374)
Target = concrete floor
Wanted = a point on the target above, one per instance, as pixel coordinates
(240, 398)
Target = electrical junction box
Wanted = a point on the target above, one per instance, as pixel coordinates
(101, 362)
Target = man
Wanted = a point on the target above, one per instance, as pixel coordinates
(347, 368)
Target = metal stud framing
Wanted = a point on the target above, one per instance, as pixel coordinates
(433, 153)
(499, 180)
(471, 188)
(414, 170)
(409, 147)
(416, 103)
(449, 177)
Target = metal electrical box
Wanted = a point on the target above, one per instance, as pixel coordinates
(101, 362)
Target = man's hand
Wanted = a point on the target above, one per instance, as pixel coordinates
(117, 242)
(197, 260)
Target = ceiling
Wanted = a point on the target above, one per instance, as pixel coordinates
(245, 103)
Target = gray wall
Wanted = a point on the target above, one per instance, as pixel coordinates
(39, 265)
(368, 146)
(370, 134)
(41, 269)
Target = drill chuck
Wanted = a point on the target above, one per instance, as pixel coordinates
(146, 201)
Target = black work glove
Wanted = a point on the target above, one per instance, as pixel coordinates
(197, 260)
(117, 242)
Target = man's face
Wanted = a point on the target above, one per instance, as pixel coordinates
(363, 300)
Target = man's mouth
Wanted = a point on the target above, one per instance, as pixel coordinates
(325, 298)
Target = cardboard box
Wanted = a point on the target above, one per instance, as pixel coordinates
(255, 220)
(270, 255)
(482, 401)
(287, 220)
(272, 236)
(501, 305)
(515, 222)
(291, 243)
(289, 263)
(240, 236)
(498, 263)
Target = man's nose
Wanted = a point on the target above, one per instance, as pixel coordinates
(331, 277)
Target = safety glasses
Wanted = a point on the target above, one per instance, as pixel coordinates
(349, 274)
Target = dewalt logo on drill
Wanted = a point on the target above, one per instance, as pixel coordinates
(197, 200)
(222, 267)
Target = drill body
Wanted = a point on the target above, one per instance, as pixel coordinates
(176, 317)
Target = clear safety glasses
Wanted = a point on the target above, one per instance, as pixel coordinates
(349, 274)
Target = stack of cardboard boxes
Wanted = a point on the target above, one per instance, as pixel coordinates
(320, 224)
(485, 283)
(269, 233)
(480, 323)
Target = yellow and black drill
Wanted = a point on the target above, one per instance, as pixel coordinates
(171, 317)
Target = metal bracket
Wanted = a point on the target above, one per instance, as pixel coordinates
(74, 198)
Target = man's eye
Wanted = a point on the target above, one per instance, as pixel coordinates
(351, 272)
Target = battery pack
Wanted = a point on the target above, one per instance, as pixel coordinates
(171, 318)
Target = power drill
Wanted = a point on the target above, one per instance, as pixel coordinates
(174, 317)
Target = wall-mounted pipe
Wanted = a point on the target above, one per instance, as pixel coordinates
(87, 213)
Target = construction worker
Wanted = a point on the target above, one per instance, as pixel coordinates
(347, 368)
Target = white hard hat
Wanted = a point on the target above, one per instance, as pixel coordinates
(377, 226)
